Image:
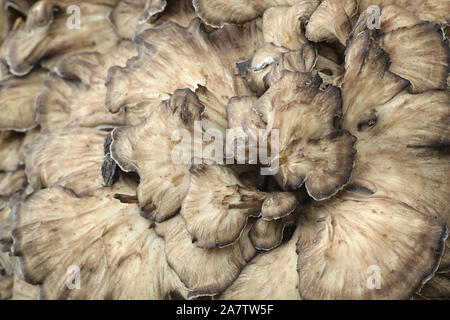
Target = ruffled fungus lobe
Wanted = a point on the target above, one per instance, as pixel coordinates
(393, 237)
(435, 11)
(390, 122)
(161, 68)
(331, 21)
(17, 98)
(217, 13)
(284, 26)
(147, 149)
(80, 150)
(46, 32)
(312, 151)
(417, 50)
(217, 205)
(114, 251)
(75, 95)
(205, 272)
(129, 17)
(280, 263)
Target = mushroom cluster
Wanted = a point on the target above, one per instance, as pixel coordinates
(349, 97)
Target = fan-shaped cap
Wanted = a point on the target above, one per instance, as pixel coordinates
(331, 21)
(203, 271)
(311, 150)
(218, 204)
(113, 251)
(435, 11)
(46, 33)
(395, 130)
(284, 26)
(147, 149)
(280, 264)
(398, 249)
(266, 235)
(147, 79)
(220, 12)
(17, 98)
(303, 60)
(71, 158)
(75, 96)
(130, 17)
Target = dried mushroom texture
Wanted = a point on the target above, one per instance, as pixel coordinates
(280, 264)
(266, 235)
(217, 13)
(75, 95)
(259, 66)
(437, 287)
(23, 290)
(205, 272)
(218, 205)
(148, 150)
(6, 285)
(436, 11)
(12, 182)
(331, 21)
(6, 222)
(71, 158)
(162, 67)
(284, 26)
(115, 252)
(17, 98)
(402, 138)
(10, 150)
(311, 150)
(303, 60)
(417, 50)
(47, 32)
(129, 17)
(391, 238)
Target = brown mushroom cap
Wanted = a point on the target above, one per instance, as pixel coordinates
(203, 271)
(17, 98)
(303, 60)
(162, 68)
(403, 244)
(273, 275)
(10, 150)
(331, 21)
(128, 16)
(217, 205)
(71, 158)
(117, 254)
(283, 26)
(266, 235)
(311, 149)
(45, 33)
(217, 13)
(425, 60)
(399, 162)
(437, 287)
(435, 11)
(147, 149)
(407, 133)
(75, 96)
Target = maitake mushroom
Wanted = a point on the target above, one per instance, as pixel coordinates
(118, 179)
